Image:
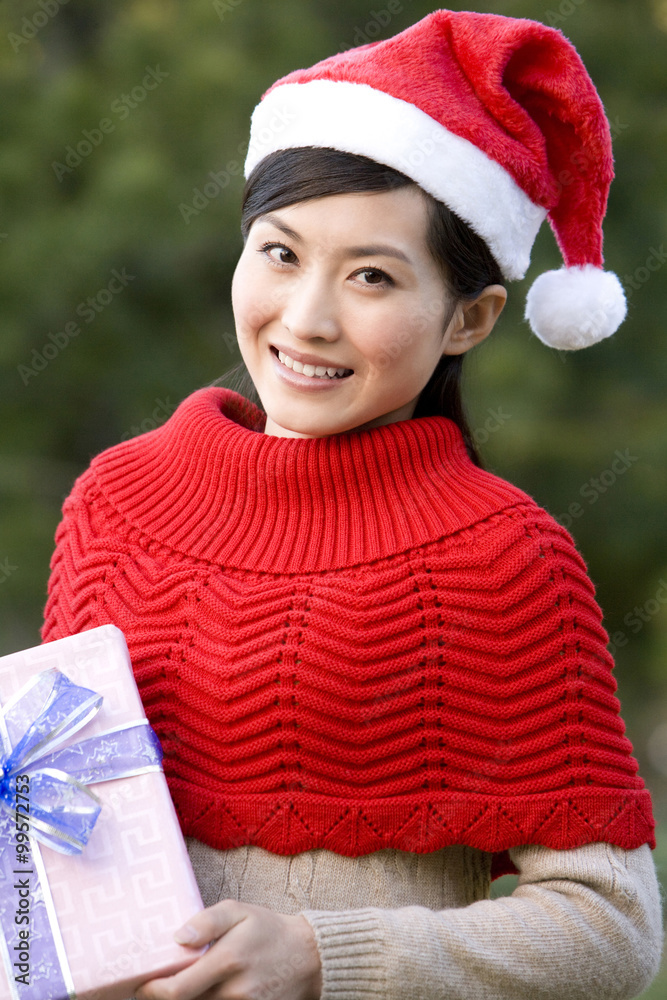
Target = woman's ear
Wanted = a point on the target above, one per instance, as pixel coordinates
(474, 319)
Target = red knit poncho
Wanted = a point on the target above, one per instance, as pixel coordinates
(353, 642)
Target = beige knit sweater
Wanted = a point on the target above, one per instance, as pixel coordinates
(582, 924)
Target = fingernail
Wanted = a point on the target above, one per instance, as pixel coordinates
(186, 934)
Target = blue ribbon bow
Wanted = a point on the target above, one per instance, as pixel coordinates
(60, 810)
(43, 790)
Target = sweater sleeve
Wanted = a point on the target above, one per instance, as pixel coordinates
(582, 924)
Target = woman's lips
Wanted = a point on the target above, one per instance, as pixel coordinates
(307, 382)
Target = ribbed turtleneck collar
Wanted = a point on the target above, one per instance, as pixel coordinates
(212, 485)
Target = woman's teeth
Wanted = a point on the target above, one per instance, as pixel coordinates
(311, 370)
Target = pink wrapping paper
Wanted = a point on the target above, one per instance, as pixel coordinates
(120, 901)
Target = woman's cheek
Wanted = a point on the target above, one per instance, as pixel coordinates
(388, 350)
(252, 310)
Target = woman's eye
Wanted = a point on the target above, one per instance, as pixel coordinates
(371, 276)
(278, 253)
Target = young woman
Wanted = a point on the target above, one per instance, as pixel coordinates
(378, 672)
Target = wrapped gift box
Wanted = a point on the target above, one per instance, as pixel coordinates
(118, 902)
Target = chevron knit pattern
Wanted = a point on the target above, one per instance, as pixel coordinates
(352, 642)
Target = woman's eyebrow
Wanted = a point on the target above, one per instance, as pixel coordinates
(276, 221)
(373, 249)
(377, 249)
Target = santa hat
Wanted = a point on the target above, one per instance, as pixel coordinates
(496, 117)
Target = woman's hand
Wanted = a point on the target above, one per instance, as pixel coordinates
(257, 954)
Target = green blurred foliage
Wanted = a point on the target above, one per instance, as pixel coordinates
(73, 77)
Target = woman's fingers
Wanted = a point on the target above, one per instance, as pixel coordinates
(254, 950)
(215, 968)
(210, 969)
(211, 923)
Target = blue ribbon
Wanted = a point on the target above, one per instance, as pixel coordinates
(44, 784)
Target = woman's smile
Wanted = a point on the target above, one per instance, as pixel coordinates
(310, 365)
(310, 378)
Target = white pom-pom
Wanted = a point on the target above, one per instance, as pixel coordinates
(575, 306)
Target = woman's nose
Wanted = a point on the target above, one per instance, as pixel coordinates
(310, 309)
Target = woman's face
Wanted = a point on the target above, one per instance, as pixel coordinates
(343, 282)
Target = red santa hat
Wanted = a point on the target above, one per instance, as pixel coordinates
(496, 117)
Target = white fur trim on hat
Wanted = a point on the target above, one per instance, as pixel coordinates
(575, 307)
(356, 118)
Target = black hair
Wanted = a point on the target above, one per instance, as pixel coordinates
(294, 175)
